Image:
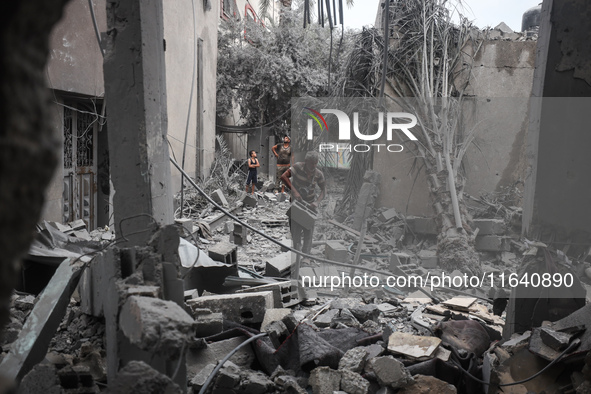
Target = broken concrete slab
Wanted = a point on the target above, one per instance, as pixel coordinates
(250, 201)
(156, 325)
(390, 372)
(492, 243)
(428, 384)
(354, 360)
(555, 339)
(219, 197)
(201, 377)
(336, 251)
(325, 380)
(460, 303)
(428, 258)
(31, 345)
(353, 383)
(139, 377)
(489, 226)
(199, 358)
(387, 215)
(207, 323)
(279, 266)
(413, 346)
(42, 378)
(275, 314)
(424, 226)
(241, 308)
(224, 252)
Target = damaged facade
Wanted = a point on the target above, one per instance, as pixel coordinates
(216, 305)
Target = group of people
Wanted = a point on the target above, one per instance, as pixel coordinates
(302, 178)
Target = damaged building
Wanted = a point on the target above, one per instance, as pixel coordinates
(104, 287)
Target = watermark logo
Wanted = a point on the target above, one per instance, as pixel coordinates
(395, 122)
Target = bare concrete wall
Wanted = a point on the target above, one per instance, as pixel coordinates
(501, 85)
(75, 63)
(181, 58)
(558, 187)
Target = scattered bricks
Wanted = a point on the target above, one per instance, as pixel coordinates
(428, 258)
(387, 215)
(556, 340)
(186, 223)
(284, 293)
(492, 243)
(218, 197)
(224, 252)
(428, 384)
(489, 226)
(353, 383)
(425, 226)
(156, 325)
(353, 360)
(390, 372)
(197, 359)
(241, 308)
(277, 333)
(336, 251)
(42, 379)
(325, 380)
(139, 377)
(199, 380)
(365, 312)
(207, 323)
(279, 266)
(250, 201)
(272, 315)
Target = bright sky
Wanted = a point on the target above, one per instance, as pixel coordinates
(481, 12)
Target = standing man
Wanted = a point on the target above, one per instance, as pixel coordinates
(253, 164)
(283, 154)
(305, 176)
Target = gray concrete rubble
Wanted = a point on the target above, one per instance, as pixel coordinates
(182, 302)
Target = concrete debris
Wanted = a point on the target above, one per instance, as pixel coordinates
(139, 377)
(390, 372)
(413, 346)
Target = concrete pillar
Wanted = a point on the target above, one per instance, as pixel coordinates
(135, 90)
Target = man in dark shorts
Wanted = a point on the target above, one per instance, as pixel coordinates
(283, 154)
(253, 164)
(305, 176)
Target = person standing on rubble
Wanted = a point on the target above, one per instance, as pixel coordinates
(283, 154)
(253, 164)
(305, 176)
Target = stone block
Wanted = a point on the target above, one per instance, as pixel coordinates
(387, 215)
(197, 359)
(272, 315)
(219, 198)
(365, 312)
(492, 243)
(284, 292)
(279, 266)
(353, 383)
(336, 251)
(224, 252)
(139, 377)
(353, 360)
(186, 223)
(250, 201)
(489, 226)
(424, 226)
(156, 325)
(390, 372)
(241, 308)
(201, 377)
(428, 384)
(428, 258)
(325, 380)
(240, 230)
(277, 332)
(208, 324)
(41, 379)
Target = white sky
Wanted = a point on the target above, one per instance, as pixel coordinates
(481, 12)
